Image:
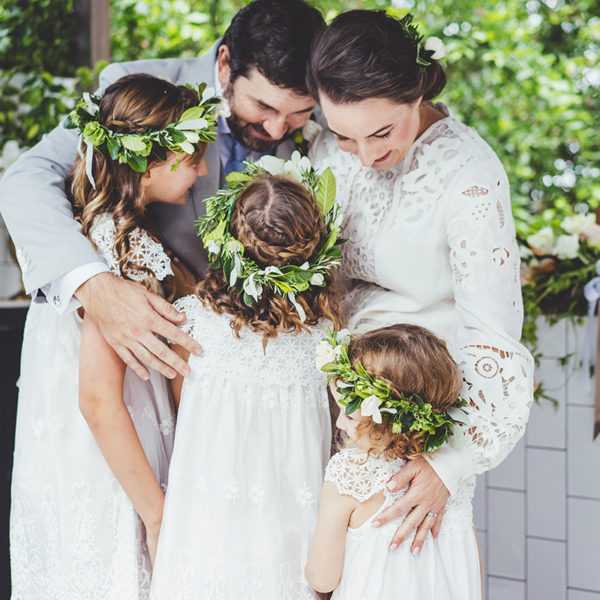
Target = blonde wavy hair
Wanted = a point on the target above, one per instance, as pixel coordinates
(413, 360)
(133, 104)
(279, 223)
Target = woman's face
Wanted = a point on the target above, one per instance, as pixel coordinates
(379, 131)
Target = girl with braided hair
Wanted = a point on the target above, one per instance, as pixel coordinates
(253, 426)
(92, 451)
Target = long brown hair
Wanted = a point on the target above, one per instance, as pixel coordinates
(133, 104)
(413, 360)
(279, 223)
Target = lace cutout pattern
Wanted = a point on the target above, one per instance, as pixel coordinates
(144, 250)
(355, 474)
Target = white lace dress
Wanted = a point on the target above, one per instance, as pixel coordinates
(73, 531)
(447, 568)
(252, 441)
(431, 242)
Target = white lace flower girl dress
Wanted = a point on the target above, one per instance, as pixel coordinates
(446, 568)
(74, 534)
(252, 441)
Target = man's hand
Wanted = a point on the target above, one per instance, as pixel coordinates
(128, 316)
(426, 494)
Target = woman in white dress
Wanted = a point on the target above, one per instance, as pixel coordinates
(78, 487)
(253, 427)
(431, 240)
(410, 409)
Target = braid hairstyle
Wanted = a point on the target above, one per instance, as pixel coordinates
(133, 104)
(278, 223)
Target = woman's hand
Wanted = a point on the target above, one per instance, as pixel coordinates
(426, 494)
(128, 317)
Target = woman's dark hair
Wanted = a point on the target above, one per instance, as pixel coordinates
(274, 36)
(366, 54)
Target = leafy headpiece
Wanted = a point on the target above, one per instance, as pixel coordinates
(196, 125)
(227, 253)
(373, 396)
(426, 49)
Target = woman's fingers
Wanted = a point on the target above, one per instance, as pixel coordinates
(432, 520)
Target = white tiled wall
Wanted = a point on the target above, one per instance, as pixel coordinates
(10, 276)
(538, 513)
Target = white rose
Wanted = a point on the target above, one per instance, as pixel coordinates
(344, 336)
(234, 246)
(576, 223)
(213, 246)
(272, 164)
(591, 233)
(542, 241)
(435, 44)
(311, 130)
(567, 246)
(324, 354)
(370, 408)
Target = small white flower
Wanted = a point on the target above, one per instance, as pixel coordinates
(191, 136)
(311, 130)
(271, 269)
(370, 408)
(567, 246)
(90, 106)
(304, 266)
(223, 109)
(234, 246)
(208, 93)
(317, 279)
(435, 44)
(292, 170)
(302, 162)
(344, 336)
(190, 124)
(272, 164)
(543, 240)
(324, 354)
(253, 288)
(236, 271)
(213, 246)
(337, 221)
(591, 233)
(577, 223)
(187, 147)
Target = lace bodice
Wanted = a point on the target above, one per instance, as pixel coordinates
(144, 250)
(432, 242)
(355, 474)
(287, 360)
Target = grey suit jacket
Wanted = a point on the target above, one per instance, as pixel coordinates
(38, 215)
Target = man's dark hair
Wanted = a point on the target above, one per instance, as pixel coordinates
(275, 37)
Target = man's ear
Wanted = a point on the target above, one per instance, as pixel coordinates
(223, 68)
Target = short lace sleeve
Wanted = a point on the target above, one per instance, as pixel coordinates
(190, 305)
(144, 250)
(358, 475)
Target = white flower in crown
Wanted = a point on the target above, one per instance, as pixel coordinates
(576, 223)
(344, 336)
(253, 288)
(317, 279)
(370, 408)
(436, 45)
(271, 164)
(311, 130)
(213, 246)
(223, 109)
(567, 246)
(325, 354)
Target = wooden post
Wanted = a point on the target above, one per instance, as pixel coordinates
(99, 31)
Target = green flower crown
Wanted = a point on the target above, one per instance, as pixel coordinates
(197, 124)
(426, 49)
(406, 412)
(227, 253)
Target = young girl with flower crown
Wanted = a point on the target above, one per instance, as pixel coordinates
(87, 489)
(253, 427)
(397, 388)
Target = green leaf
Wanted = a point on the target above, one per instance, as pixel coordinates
(137, 163)
(235, 178)
(133, 143)
(326, 191)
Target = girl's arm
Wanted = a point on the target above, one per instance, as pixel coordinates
(177, 381)
(101, 374)
(324, 566)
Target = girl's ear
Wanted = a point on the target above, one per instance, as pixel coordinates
(146, 178)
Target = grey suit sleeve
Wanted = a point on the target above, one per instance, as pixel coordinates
(36, 211)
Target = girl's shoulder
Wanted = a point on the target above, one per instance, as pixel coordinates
(357, 474)
(144, 250)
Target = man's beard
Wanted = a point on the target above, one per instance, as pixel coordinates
(242, 131)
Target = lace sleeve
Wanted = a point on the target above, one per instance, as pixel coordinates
(497, 370)
(355, 474)
(144, 250)
(190, 306)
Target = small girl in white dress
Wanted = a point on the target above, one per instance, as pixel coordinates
(397, 388)
(253, 427)
(93, 441)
